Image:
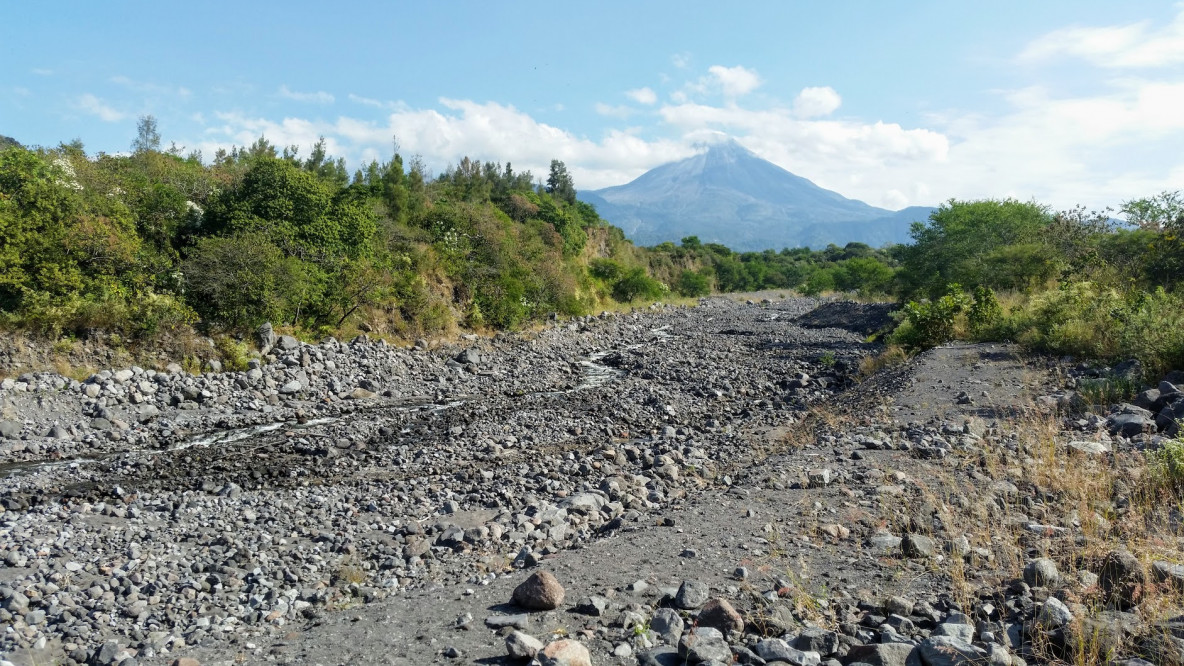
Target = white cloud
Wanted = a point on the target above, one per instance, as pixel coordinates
(735, 81)
(376, 103)
(642, 96)
(621, 111)
(681, 60)
(819, 101)
(97, 107)
(1134, 45)
(318, 97)
(483, 131)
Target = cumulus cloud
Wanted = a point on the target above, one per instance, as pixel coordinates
(97, 107)
(735, 81)
(318, 97)
(1134, 45)
(460, 128)
(642, 96)
(819, 101)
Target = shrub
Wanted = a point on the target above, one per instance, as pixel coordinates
(605, 269)
(637, 285)
(692, 284)
(985, 312)
(1166, 468)
(931, 323)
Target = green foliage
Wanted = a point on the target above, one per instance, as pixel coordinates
(989, 242)
(985, 312)
(234, 354)
(693, 284)
(931, 323)
(606, 269)
(1166, 468)
(635, 285)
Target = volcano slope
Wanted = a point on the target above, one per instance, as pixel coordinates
(705, 484)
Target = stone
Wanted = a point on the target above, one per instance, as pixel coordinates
(362, 394)
(775, 649)
(594, 605)
(291, 387)
(1090, 448)
(668, 624)
(265, 337)
(541, 591)
(287, 343)
(565, 652)
(9, 429)
(185, 661)
(1168, 573)
(1054, 614)
(660, 656)
(819, 478)
(1041, 572)
(691, 594)
(881, 654)
(720, 614)
(522, 646)
(884, 543)
(500, 621)
(813, 639)
(917, 546)
(950, 651)
(704, 644)
(1129, 424)
(963, 632)
(1121, 578)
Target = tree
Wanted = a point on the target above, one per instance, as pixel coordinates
(147, 138)
(1162, 211)
(559, 183)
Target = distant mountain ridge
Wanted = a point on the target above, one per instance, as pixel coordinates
(729, 195)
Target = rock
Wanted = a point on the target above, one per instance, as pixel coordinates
(594, 605)
(881, 654)
(1169, 573)
(1130, 422)
(541, 591)
(1054, 614)
(291, 387)
(565, 652)
(899, 606)
(668, 624)
(362, 394)
(185, 661)
(660, 656)
(1122, 578)
(522, 646)
(950, 651)
(691, 594)
(704, 644)
(775, 649)
(963, 632)
(719, 614)
(917, 546)
(819, 478)
(817, 640)
(1041, 572)
(265, 337)
(883, 543)
(287, 343)
(469, 356)
(1090, 448)
(9, 429)
(516, 621)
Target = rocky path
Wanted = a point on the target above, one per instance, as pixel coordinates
(677, 472)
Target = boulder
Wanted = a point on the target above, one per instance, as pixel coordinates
(719, 614)
(541, 591)
(565, 652)
(1122, 578)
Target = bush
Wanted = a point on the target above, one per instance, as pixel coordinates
(1166, 467)
(931, 323)
(637, 285)
(692, 284)
(605, 269)
(985, 312)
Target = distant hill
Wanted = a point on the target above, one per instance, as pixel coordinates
(729, 195)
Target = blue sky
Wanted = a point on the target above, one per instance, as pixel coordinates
(895, 103)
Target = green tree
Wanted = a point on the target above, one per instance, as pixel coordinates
(560, 184)
(147, 138)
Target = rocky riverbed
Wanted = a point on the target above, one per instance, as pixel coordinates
(692, 485)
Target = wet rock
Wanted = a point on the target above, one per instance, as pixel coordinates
(541, 591)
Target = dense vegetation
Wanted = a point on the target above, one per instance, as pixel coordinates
(1070, 282)
(157, 241)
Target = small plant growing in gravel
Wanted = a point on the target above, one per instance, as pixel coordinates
(827, 360)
